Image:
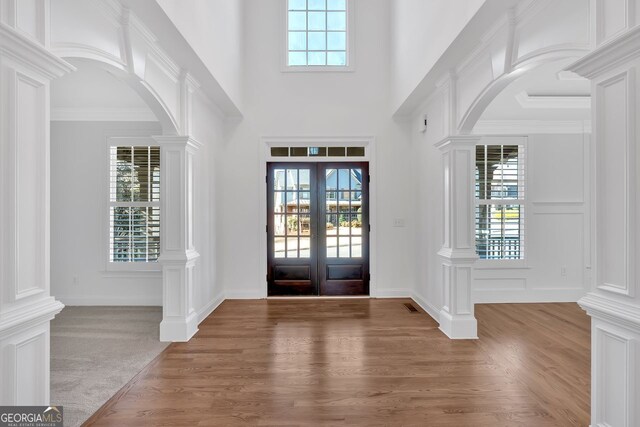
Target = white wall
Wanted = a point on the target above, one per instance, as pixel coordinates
(314, 104)
(421, 31)
(209, 129)
(79, 174)
(557, 221)
(556, 227)
(214, 29)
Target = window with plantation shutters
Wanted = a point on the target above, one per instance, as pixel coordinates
(134, 204)
(500, 201)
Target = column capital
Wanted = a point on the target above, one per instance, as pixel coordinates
(460, 256)
(178, 140)
(457, 141)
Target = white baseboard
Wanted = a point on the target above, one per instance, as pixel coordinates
(111, 300)
(426, 306)
(527, 296)
(231, 294)
(205, 311)
(392, 293)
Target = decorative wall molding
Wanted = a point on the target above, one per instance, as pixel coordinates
(528, 101)
(93, 114)
(531, 127)
(24, 51)
(616, 312)
(609, 56)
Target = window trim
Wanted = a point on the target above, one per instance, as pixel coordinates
(284, 45)
(523, 263)
(139, 269)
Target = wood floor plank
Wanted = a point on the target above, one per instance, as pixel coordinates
(365, 362)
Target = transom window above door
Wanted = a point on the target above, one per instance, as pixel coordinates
(317, 34)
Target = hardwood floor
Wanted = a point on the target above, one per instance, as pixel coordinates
(365, 362)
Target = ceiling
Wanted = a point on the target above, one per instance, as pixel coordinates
(546, 93)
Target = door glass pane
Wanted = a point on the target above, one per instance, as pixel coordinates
(292, 179)
(278, 202)
(356, 247)
(305, 247)
(332, 224)
(305, 225)
(279, 228)
(332, 179)
(278, 179)
(292, 225)
(279, 247)
(304, 203)
(344, 229)
(343, 179)
(292, 247)
(356, 224)
(292, 201)
(332, 247)
(305, 183)
(343, 249)
(356, 179)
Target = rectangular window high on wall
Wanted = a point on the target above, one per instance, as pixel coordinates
(317, 33)
(500, 201)
(134, 204)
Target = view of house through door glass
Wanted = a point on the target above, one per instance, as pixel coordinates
(318, 228)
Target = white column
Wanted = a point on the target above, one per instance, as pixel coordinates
(458, 251)
(178, 255)
(26, 307)
(614, 301)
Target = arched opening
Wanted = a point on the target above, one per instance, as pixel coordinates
(105, 233)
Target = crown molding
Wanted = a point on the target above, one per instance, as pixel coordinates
(610, 55)
(179, 141)
(528, 127)
(528, 101)
(612, 310)
(457, 140)
(31, 55)
(114, 114)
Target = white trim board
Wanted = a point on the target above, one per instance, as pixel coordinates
(106, 114)
(426, 306)
(529, 127)
(144, 301)
(208, 309)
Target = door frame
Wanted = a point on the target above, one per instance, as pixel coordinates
(306, 141)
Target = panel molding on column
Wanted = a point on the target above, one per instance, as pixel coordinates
(29, 17)
(614, 17)
(29, 233)
(613, 367)
(615, 128)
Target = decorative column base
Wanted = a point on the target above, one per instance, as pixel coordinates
(457, 320)
(179, 319)
(458, 327)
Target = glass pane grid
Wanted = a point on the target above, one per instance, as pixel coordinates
(344, 213)
(325, 25)
(134, 182)
(291, 207)
(499, 191)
